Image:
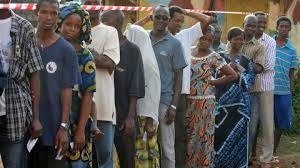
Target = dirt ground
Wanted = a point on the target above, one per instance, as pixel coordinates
(288, 152)
(285, 162)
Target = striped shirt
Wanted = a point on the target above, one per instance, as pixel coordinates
(266, 78)
(255, 51)
(286, 59)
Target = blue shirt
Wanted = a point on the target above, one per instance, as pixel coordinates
(286, 59)
(61, 71)
(169, 55)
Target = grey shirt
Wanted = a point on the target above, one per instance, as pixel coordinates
(169, 54)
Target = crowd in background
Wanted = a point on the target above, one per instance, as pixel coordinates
(167, 97)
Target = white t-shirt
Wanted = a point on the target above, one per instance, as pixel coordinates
(188, 38)
(5, 54)
(105, 41)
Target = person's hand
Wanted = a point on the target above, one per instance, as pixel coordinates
(233, 66)
(32, 95)
(149, 15)
(96, 133)
(94, 52)
(111, 70)
(129, 126)
(36, 129)
(150, 128)
(211, 82)
(62, 140)
(170, 115)
(79, 140)
(183, 10)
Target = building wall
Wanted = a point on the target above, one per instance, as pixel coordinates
(275, 8)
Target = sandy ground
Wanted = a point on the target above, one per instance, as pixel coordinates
(289, 154)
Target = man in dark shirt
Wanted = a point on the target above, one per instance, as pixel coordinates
(129, 86)
(61, 73)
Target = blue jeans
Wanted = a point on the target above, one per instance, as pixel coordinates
(104, 145)
(79, 164)
(13, 154)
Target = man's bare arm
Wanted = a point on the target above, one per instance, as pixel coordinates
(204, 19)
(103, 61)
(36, 127)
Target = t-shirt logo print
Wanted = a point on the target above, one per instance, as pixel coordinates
(51, 67)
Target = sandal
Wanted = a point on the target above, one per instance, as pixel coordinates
(275, 159)
(265, 165)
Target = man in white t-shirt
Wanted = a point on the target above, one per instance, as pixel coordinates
(5, 56)
(106, 51)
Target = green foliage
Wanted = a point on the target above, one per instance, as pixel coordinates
(296, 109)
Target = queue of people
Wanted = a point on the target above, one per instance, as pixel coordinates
(167, 97)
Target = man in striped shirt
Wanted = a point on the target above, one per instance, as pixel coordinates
(265, 86)
(255, 51)
(286, 62)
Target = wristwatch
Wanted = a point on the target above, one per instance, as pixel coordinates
(173, 107)
(64, 125)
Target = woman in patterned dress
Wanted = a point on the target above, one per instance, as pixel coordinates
(75, 26)
(233, 111)
(201, 101)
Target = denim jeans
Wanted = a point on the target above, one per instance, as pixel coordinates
(13, 154)
(79, 164)
(104, 145)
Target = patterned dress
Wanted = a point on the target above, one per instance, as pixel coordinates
(88, 73)
(232, 117)
(200, 112)
(147, 152)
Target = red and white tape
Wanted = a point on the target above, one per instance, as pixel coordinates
(31, 6)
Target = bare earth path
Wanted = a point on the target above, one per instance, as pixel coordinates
(288, 152)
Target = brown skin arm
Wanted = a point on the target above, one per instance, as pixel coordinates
(62, 139)
(94, 113)
(103, 61)
(129, 124)
(291, 74)
(96, 132)
(258, 65)
(85, 108)
(229, 76)
(171, 113)
(149, 127)
(36, 127)
(257, 68)
(144, 20)
(204, 19)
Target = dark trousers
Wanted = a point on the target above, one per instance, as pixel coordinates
(125, 146)
(180, 133)
(44, 157)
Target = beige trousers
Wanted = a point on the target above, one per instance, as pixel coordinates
(262, 109)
